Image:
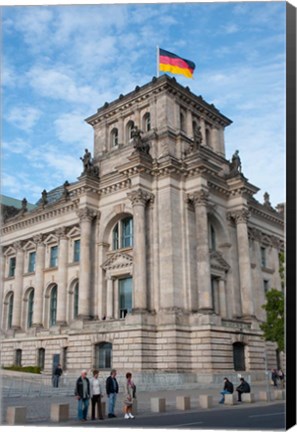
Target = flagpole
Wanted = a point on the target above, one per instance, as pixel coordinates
(158, 61)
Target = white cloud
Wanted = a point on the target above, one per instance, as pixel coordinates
(23, 117)
(17, 146)
(71, 128)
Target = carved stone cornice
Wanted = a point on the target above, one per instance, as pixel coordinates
(239, 216)
(87, 214)
(140, 197)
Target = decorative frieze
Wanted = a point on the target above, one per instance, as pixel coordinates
(87, 214)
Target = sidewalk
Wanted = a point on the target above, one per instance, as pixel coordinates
(38, 409)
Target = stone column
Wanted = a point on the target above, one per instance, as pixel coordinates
(109, 298)
(62, 276)
(18, 286)
(202, 125)
(139, 198)
(222, 297)
(39, 281)
(246, 292)
(215, 140)
(86, 216)
(189, 124)
(200, 200)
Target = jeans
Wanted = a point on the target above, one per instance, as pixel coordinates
(82, 408)
(223, 392)
(56, 380)
(111, 402)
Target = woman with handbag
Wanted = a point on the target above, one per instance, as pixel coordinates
(129, 395)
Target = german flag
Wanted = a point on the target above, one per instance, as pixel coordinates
(169, 62)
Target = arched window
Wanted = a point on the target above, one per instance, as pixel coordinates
(147, 122)
(129, 128)
(114, 137)
(103, 355)
(30, 308)
(53, 305)
(238, 356)
(122, 234)
(10, 311)
(182, 122)
(76, 299)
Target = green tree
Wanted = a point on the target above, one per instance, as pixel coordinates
(274, 327)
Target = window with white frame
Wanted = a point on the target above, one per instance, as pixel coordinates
(76, 250)
(12, 265)
(31, 262)
(103, 355)
(53, 256)
(122, 234)
(129, 128)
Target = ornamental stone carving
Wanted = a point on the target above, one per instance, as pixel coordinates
(38, 238)
(86, 214)
(239, 216)
(140, 196)
(199, 198)
(18, 245)
(61, 232)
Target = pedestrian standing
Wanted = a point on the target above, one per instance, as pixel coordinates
(274, 377)
(112, 389)
(96, 395)
(57, 373)
(130, 390)
(82, 393)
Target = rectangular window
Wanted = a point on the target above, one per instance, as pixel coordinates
(41, 358)
(127, 232)
(76, 251)
(12, 264)
(263, 257)
(18, 357)
(54, 256)
(32, 261)
(125, 296)
(266, 285)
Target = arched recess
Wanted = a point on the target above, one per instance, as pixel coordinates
(28, 307)
(129, 128)
(50, 305)
(73, 299)
(8, 310)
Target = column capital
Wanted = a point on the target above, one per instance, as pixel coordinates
(18, 245)
(87, 214)
(38, 239)
(254, 234)
(239, 216)
(140, 196)
(61, 233)
(199, 198)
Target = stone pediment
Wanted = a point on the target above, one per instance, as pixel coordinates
(118, 260)
(217, 261)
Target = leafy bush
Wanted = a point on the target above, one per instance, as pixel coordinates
(30, 369)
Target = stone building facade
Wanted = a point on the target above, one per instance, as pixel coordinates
(156, 260)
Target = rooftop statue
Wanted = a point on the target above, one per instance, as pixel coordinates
(138, 143)
(88, 164)
(235, 167)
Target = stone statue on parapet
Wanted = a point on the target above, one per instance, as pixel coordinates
(88, 165)
(138, 143)
(235, 167)
(24, 205)
(197, 136)
(44, 199)
(266, 197)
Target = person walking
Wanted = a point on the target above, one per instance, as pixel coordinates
(228, 389)
(243, 387)
(129, 395)
(112, 389)
(82, 393)
(96, 395)
(274, 377)
(57, 373)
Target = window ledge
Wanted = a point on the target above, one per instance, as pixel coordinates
(267, 270)
(9, 278)
(48, 269)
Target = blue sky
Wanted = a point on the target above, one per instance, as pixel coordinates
(60, 63)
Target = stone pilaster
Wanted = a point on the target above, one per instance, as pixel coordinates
(39, 281)
(86, 216)
(18, 286)
(139, 199)
(200, 200)
(62, 276)
(202, 125)
(222, 298)
(241, 217)
(109, 298)
(215, 139)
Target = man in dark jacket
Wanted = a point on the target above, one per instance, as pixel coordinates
(112, 388)
(57, 373)
(243, 387)
(82, 393)
(228, 389)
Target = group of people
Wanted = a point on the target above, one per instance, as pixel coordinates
(86, 390)
(243, 387)
(278, 377)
